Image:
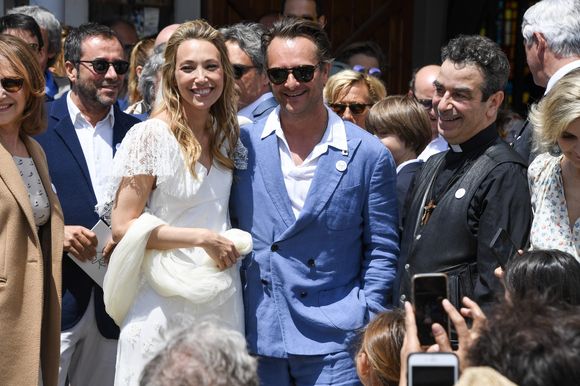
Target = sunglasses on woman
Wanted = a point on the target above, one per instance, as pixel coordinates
(302, 74)
(355, 108)
(374, 71)
(101, 66)
(12, 84)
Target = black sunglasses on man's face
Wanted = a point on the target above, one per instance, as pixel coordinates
(101, 66)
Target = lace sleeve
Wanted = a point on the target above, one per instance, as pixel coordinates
(149, 148)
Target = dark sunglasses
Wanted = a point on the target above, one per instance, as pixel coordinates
(355, 108)
(12, 84)
(240, 70)
(374, 71)
(426, 103)
(302, 74)
(101, 66)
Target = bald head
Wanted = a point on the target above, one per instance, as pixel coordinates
(164, 35)
(423, 90)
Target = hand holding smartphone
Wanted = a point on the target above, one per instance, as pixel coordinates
(429, 290)
(432, 369)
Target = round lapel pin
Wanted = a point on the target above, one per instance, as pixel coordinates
(341, 165)
(460, 193)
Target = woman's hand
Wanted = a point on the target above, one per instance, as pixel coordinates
(220, 249)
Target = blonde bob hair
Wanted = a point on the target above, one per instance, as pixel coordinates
(222, 124)
(21, 63)
(555, 112)
(339, 84)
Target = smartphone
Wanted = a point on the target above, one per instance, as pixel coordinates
(432, 369)
(429, 290)
(503, 247)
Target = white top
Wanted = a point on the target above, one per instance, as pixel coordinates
(97, 145)
(249, 109)
(297, 178)
(437, 145)
(560, 73)
(551, 225)
(36, 192)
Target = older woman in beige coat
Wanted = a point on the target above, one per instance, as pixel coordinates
(31, 228)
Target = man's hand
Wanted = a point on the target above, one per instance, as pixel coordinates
(80, 242)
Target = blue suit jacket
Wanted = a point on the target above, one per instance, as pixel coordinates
(264, 109)
(70, 175)
(311, 282)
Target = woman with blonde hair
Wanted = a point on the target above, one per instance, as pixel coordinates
(139, 56)
(350, 94)
(31, 234)
(170, 210)
(554, 176)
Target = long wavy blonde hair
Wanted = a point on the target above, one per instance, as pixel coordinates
(223, 123)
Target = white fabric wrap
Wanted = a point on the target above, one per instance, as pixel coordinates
(166, 271)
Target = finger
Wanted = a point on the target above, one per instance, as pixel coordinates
(475, 312)
(434, 348)
(441, 338)
(89, 235)
(456, 318)
(498, 272)
(520, 252)
(411, 329)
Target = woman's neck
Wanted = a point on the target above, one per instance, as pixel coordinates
(11, 141)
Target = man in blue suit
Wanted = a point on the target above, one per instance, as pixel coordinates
(318, 196)
(84, 129)
(243, 41)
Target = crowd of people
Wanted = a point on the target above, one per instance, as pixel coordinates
(262, 206)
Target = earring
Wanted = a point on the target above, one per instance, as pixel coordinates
(555, 150)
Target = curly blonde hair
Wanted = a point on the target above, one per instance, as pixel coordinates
(223, 124)
(552, 115)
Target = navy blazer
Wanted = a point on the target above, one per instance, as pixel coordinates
(70, 175)
(311, 282)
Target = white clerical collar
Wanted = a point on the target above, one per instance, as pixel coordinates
(456, 148)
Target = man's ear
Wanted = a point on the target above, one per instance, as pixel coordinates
(71, 70)
(540, 40)
(494, 103)
(322, 21)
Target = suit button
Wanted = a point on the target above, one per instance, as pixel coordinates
(407, 266)
(274, 247)
(311, 263)
(264, 281)
(303, 294)
(403, 298)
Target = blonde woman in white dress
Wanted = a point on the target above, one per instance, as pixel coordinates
(171, 206)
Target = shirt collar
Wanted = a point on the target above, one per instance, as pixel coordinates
(79, 120)
(249, 109)
(334, 135)
(560, 73)
(480, 139)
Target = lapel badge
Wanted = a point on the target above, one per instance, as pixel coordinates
(341, 165)
(460, 193)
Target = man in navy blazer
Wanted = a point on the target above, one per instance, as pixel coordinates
(84, 129)
(318, 196)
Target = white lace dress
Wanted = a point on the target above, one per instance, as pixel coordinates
(180, 200)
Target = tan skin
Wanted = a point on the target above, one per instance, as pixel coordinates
(197, 67)
(569, 142)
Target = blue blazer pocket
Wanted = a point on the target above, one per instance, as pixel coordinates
(344, 309)
(344, 209)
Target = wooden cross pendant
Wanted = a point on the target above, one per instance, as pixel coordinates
(427, 210)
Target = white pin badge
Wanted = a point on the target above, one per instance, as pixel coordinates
(341, 166)
(53, 188)
(460, 193)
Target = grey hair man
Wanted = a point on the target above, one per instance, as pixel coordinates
(51, 35)
(203, 355)
(551, 31)
(244, 42)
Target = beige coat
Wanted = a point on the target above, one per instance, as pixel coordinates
(30, 277)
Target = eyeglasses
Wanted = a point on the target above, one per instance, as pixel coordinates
(355, 108)
(302, 74)
(240, 70)
(12, 84)
(374, 71)
(426, 103)
(101, 66)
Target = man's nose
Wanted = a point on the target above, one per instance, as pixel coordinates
(347, 115)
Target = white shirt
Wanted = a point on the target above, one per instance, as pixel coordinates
(437, 145)
(560, 73)
(403, 164)
(97, 145)
(249, 109)
(297, 178)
